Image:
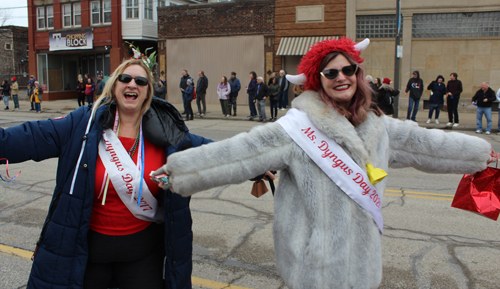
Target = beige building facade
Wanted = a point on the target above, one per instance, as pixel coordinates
(439, 37)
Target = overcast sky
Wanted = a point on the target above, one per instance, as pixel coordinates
(17, 15)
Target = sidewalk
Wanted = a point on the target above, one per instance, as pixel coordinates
(467, 118)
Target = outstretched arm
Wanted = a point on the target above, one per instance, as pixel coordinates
(230, 161)
(435, 151)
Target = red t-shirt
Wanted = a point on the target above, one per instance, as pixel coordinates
(114, 218)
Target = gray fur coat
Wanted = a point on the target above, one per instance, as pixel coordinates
(322, 238)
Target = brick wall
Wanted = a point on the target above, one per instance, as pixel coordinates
(219, 19)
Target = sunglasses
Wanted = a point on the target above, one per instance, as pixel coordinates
(139, 80)
(349, 70)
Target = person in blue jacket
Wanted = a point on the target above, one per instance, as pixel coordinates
(126, 125)
(438, 91)
(188, 96)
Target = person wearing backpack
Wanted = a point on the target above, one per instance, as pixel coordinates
(385, 97)
(37, 97)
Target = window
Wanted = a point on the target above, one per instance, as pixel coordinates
(95, 8)
(66, 12)
(8, 46)
(50, 17)
(106, 11)
(77, 14)
(132, 9)
(161, 3)
(481, 24)
(377, 26)
(45, 17)
(40, 15)
(148, 9)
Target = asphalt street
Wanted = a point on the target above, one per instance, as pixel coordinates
(426, 243)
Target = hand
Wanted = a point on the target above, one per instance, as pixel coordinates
(269, 176)
(162, 170)
(254, 101)
(182, 89)
(485, 100)
(406, 93)
(265, 97)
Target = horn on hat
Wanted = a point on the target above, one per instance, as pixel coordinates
(362, 45)
(297, 79)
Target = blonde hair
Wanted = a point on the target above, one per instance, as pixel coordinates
(108, 93)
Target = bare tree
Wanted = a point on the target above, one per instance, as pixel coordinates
(5, 16)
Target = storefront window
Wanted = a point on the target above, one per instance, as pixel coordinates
(55, 72)
(42, 70)
(92, 70)
(107, 64)
(70, 71)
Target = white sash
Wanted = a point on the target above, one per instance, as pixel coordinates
(124, 174)
(334, 161)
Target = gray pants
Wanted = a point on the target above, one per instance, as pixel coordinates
(225, 107)
(261, 108)
(6, 100)
(200, 97)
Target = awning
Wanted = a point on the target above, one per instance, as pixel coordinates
(299, 45)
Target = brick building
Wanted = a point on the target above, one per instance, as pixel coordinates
(68, 38)
(264, 36)
(217, 38)
(14, 53)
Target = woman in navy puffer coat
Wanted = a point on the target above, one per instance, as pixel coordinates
(62, 253)
(438, 90)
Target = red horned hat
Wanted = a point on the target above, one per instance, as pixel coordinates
(309, 65)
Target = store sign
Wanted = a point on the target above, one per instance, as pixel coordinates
(70, 40)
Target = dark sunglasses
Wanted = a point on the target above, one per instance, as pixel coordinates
(349, 70)
(139, 80)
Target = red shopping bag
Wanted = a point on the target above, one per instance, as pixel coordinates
(480, 193)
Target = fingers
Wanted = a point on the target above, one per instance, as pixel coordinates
(162, 170)
(270, 176)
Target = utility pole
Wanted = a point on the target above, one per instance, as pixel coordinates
(399, 55)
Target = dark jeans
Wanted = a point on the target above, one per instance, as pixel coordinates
(132, 261)
(412, 106)
(200, 97)
(251, 104)
(15, 98)
(274, 108)
(183, 104)
(188, 109)
(283, 99)
(81, 100)
(452, 109)
(432, 107)
(90, 99)
(232, 103)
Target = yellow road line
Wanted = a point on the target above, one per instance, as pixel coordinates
(421, 193)
(420, 197)
(16, 251)
(195, 280)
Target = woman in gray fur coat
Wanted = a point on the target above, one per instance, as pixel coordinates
(322, 237)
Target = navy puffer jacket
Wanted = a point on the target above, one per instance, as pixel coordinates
(62, 253)
(438, 91)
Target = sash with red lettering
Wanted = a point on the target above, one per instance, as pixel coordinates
(125, 176)
(334, 161)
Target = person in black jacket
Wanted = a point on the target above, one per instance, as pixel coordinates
(385, 97)
(416, 87)
(483, 100)
(6, 93)
(438, 91)
(454, 88)
(261, 98)
(201, 92)
(183, 85)
(252, 90)
(284, 85)
(160, 89)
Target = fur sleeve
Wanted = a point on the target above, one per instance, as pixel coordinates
(230, 161)
(433, 150)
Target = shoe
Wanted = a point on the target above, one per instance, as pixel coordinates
(455, 124)
(479, 131)
(255, 116)
(428, 121)
(191, 118)
(183, 112)
(38, 111)
(234, 114)
(6, 108)
(449, 124)
(198, 114)
(227, 116)
(32, 109)
(498, 133)
(487, 132)
(283, 108)
(202, 114)
(249, 116)
(186, 119)
(436, 121)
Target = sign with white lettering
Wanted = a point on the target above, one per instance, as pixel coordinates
(71, 39)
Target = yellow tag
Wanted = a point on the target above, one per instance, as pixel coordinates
(375, 174)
